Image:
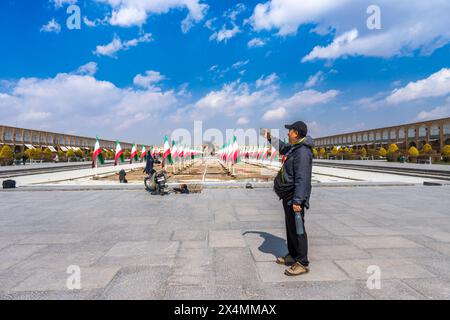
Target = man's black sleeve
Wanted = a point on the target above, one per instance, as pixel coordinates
(279, 145)
(302, 176)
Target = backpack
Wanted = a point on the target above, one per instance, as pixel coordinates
(9, 184)
(285, 191)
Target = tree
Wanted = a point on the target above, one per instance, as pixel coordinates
(363, 152)
(79, 153)
(427, 149)
(315, 152)
(393, 148)
(413, 152)
(322, 152)
(335, 151)
(70, 154)
(6, 152)
(48, 155)
(382, 152)
(446, 152)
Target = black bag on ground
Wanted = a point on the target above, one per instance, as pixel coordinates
(9, 184)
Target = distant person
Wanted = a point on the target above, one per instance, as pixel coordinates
(122, 176)
(24, 159)
(293, 186)
(56, 158)
(183, 189)
(149, 165)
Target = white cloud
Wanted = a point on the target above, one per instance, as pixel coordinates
(298, 101)
(436, 113)
(406, 26)
(256, 43)
(225, 34)
(266, 81)
(126, 13)
(275, 114)
(52, 26)
(60, 3)
(315, 79)
(240, 64)
(117, 45)
(244, 101)
(89, 69)
(340, 46)
(234, 12)
(149, 79)
(242, 121)
(82, 104)
(436, 85)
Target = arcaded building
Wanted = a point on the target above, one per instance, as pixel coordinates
(20, 139)
(435, 132)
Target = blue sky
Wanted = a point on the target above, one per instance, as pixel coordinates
(138, 69)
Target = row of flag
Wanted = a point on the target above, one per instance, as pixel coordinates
(169, 153)
(232, 153)
(173, 152)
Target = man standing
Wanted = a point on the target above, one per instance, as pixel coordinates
(295, 177)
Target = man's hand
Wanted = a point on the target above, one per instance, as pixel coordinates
(266, 134)
(297, 208)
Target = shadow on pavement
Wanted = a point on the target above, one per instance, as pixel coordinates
(272, 244)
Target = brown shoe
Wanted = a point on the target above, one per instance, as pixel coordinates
(286, 260)
(296, 269)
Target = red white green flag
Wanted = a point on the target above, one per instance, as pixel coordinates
(166, 153)
(134, 154)
(235, 151)
(119, 154)
(174, 150)
(274, 154)
(97, 155)
(144, 154)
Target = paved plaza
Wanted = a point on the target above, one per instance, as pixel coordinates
(222, 243)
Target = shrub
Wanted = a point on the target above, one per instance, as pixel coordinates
(335, 151)
(413, 154)
(363, 152)
(127, 154)
(427, 149)
(6, 155)
(47, 155)
(393, 148)
(70, 154)
(446, 152)
(322, 152)
(382, 152)
(315, 152)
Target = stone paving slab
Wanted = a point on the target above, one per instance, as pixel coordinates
(222, 243)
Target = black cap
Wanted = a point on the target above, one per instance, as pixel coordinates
(300, 126)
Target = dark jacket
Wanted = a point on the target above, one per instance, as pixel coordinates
(149, 165)
(297, 168)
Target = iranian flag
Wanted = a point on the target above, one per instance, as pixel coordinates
(181, 152)
(265, 153)
(144, 154)
(174, 150)
(254, 152)
(119, 154)
(97, 155)
(167, 154)
(134, 154)
(274, 153)
(235, 151)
